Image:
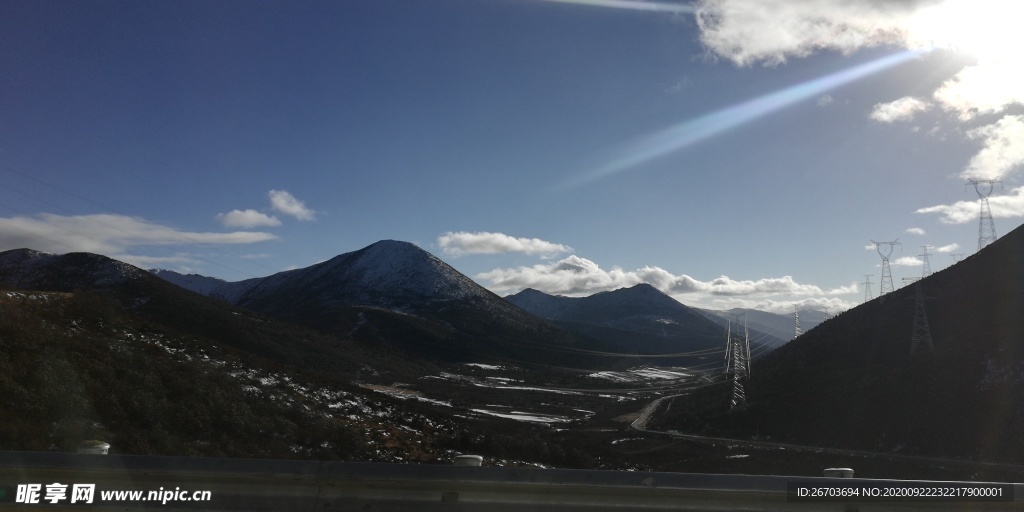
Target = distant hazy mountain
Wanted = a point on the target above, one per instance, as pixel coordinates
(636, 320)
(857, 380)
(781, 327)
(641, 308)
(202, 285)
(397, 293)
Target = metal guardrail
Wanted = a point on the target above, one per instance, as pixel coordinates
(258, 485)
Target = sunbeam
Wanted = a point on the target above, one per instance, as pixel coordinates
(692, 131)
(638, 5)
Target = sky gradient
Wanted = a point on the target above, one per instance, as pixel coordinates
(730, 152)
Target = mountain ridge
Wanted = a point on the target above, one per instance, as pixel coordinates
(639, 320)
(869, 378)
(397, 293)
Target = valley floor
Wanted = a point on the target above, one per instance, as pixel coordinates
(607, 413)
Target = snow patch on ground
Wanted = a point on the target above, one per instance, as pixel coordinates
(530, 417)
(405, 394)
(644, 373)
(485, 366)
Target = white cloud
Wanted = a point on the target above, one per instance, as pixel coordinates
(907, 261)
(576, 276)
(825, 100)
(960, 212)
(986, 88)
(284, 202)
(915, 231)
(246, 219)
(902, 109)
(770, 31)
(462, 243)
(106, 234)
(784, 307)
(948, 248)
(1003, 149)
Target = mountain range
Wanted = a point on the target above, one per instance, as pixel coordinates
(878, 377)
(153, 303)
(397, 292)
(777, 328)
(640, 320)
(390, 293)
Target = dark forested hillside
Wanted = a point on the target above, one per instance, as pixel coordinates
(74, 367)
(854, 381)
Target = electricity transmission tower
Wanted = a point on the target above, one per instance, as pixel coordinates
(957, 257)
(796, 322)
(926, 268)
(986, 226)
(922, 334)
(737, 364)
(886, 285)
(728, 346)
(867, 287)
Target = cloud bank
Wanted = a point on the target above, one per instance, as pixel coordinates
(462, 243)
(107, 234)
(576, 276)
(772, 31)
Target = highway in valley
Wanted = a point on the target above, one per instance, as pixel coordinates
(640, 425)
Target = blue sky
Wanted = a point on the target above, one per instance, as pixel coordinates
(720, 150)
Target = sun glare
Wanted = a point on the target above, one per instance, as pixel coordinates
(985, 29)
